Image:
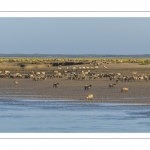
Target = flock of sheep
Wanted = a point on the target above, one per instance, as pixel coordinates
(79, 75)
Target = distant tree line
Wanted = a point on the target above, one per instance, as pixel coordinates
(74, 55)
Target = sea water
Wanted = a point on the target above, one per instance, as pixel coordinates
(67, 116)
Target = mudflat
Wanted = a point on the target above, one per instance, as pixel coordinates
(27, 88)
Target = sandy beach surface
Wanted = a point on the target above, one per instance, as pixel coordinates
(139, 91)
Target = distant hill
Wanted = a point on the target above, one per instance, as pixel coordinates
(73, 56)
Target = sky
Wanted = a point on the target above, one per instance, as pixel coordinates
(99, 35)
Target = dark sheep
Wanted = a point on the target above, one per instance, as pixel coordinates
(87, 87)
(55, 85)
(112, 85)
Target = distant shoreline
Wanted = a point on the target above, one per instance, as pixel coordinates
(76, 55)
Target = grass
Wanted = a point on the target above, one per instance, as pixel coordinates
(144, 63)
(141, 61)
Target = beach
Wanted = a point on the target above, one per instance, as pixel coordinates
(139, 91)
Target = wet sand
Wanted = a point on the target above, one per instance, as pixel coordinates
(139, 91)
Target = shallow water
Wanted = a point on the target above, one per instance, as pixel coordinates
(61, 116)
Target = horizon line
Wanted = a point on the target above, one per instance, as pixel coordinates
(64, 54)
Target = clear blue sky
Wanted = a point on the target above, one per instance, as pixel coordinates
(75, 35)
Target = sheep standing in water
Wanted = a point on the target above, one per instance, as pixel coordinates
(55, 85)
(90, 96)
(87, 87)
(124, 89)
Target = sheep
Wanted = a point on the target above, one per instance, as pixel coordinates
(118, 74)
(112, 78)
(145, 78)
(36, 78)
(55, 85)
(95, 77)
(124, 89)
(90, 77)
(135, 78)
(17, 75)
(38, 73)
(117, 80)
(112, 85)
(140, 78)
(31, 76)
(45, 78)
(16, 82)
(59, 67)
(73, 68)
(90, 96)
(134, 73)
(104, 67)
(83, 77)
(87, 87)
(86, 73)
(7, 72)
(55, 71)
(130, 79)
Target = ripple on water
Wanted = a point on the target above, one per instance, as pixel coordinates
(25, 115)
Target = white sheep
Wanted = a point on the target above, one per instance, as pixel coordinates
(134, 73)
(43, 73)
(104, 67)
(90, 96)
(16, 82)
(124, 89)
